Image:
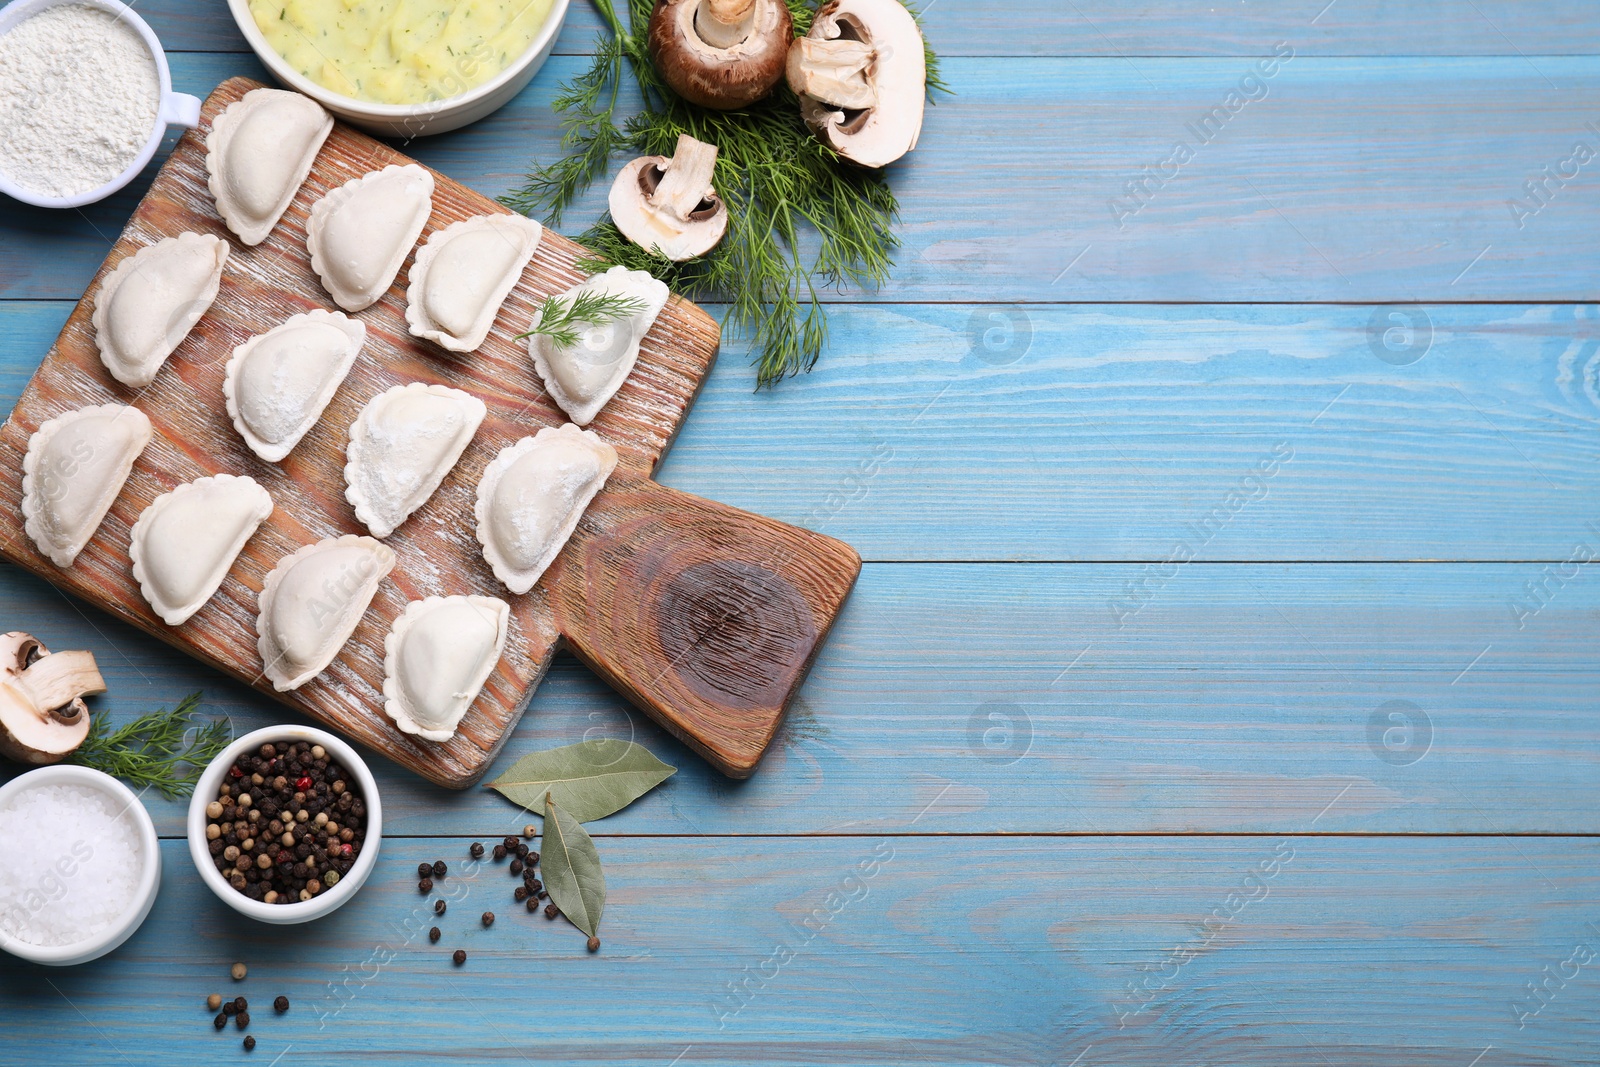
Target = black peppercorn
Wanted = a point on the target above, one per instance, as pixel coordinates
(488, 918)
(433, 934)
(499, 852)
(510, 842)
(533, 905)
(520, 893)
(230, 1008)
(551, 911)
(531, 858)
(281, 1005)
(476, 851)
(523, 850)
(220, 1021)
(516, 867)
(423, 870)
(425, 886)
(241, 1004)
(438, 907)
(460, 956)
(249, 1043)
(242, 1020)
(439, 869)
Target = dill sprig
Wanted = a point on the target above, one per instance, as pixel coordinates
(155, 749)
(779, 182)
(559, 318)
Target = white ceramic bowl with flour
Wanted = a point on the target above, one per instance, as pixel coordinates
(87, 112)
(82, 865)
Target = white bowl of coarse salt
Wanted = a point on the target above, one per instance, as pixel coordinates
(85, 97)
(81, 865)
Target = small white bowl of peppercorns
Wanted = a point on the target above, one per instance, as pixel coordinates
(285, 824)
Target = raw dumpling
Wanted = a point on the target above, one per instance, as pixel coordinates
(258, 153)
(401, 447)
(437, 657)
(186, 540)
(76, 465)
(462, 274)
(532, 496)
(582, 378)
(150, 302)
(312, 603)
(359, 234)
(278, 383)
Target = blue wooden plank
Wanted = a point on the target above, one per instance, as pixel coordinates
(1349, 180)
(1090, 698)
(882, 950)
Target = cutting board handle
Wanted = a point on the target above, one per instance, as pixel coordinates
(704, 616)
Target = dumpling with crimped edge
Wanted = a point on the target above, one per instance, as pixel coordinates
(360, 233)
(463, 273)
(531, 498)
(278, 383)
(151, 300)
(313, 601)
(186, 541)
(438, 656)
(75, 466)
(259, 151)
(583, 377)
(402, 445)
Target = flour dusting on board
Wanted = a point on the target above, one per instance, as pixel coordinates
(78, 98)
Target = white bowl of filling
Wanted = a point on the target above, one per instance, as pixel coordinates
(85, 102)
(457, 64)
(82, 865)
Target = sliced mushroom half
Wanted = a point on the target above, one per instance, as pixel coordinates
(723, 54)
(669, 205)
(861, 75)
(42, 714)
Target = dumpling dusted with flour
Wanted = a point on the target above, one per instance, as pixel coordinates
(313, 601)
(583, 376)
(76, 465)
(437, 657)
(185, 542)
(278, 383)
(360, 233)
(531, 498)
(150, 302)
(401, 447)
(462, 275)
(258, 153)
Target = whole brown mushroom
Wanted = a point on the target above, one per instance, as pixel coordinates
(42, 714)
(723, 54)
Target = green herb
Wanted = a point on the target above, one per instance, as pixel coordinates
(592, 779)
(775, 177)
(155, 749)
(571, 869)
(558, 318)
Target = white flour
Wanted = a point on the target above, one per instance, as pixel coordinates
(78, 99)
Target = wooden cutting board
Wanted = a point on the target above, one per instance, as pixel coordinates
(705, 617)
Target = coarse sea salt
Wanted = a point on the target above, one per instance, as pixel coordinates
(71, 866)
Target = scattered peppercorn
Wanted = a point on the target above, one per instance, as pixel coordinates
(230, 1009)
(522, 851)
(438, 907)
(531, 858)
(214, 1002)
(594, 944)
(220, 1021)
(533, 905)
(476, 851)
(551, 911)
(425, 886)
(249, 1043)
(520, 893)
(516, 867)
(433, 934)
(241, 1004)
(238, 971)
(499, 852)
(529, 830)
(439, 869)
(242, 1020)
(488, 918)
(460, 956)
(423, 870)
(510, 842)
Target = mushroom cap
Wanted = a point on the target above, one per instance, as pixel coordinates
(861, 76)
(721, 78)
(650, 228)
(29, 734)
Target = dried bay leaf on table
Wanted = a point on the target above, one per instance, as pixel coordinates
(590, 780)
(571, 869)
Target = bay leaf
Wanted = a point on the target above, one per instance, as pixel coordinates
(590, 780)
(571, 869)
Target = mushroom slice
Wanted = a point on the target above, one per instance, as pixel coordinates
(278, 383)
(360, 233)
(461, 277)
(669, 206)
(150, 302)
(76, 465)
(258, 153)
(402, 445)
(582, 377)
(42, 714)
(186, 541)
(312, 602)
(437, 657)
(722, 54)
(532, 496)
(861, 76)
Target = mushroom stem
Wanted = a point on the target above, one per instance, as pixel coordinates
(836, 71)
(54, 683)
(725, 23)
(687, 180)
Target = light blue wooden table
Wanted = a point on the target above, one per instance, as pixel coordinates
(1221, 687)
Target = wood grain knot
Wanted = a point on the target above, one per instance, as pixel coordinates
(735, 633)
